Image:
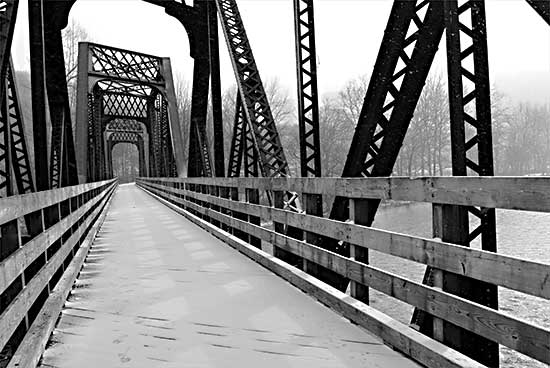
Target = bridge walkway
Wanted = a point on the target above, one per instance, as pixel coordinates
(157, 291)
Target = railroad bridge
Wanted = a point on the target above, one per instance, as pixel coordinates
(187, 267)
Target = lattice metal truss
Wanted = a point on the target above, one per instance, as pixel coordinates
(121, 64)
(8, 14)
(127, 92)
(257, 111)
(124, 105)
(15, 166)
(237, 142)
(409, 45)
(308, 104)
(472, 153)
(125, 125)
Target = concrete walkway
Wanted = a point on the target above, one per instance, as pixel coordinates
(157, 291)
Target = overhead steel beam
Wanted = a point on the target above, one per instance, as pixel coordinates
(411, 39)
(257, 111)
(542, 7)
(8, 16)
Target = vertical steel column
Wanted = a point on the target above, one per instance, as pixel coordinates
(470, 107)
(308, 104)
(83, 113)
(38, 92)
(237, 142)
(216, 93)
(308, 117)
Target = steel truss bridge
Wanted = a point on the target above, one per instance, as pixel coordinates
(50, 212)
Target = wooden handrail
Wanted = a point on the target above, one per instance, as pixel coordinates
(21, 205)
(516, 193)
(511, 272)
(75, 211)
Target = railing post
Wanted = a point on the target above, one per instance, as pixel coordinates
(224, 193)
(313, 205)
(253, 197)
(358, 214)
(437, 274)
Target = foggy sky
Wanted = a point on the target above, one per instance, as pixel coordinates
(348, 33)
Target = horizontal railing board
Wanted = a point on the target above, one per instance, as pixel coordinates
(18, 261)
(496, 326)
(414, 344)
(510, 272)
(18, 308)
(517, 193)
(34, 343)
(17, 206)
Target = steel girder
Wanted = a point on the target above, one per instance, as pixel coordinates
(8, 15)
(408, 48)
(198, 24)
(52, 128)
(237, 142)
(403, 63)
(140, 88)
(542, 7)
(15, 165)
(257, 111)
(215, 86)
(308, 100)
(472, 153)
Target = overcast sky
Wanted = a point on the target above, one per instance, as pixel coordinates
(348, 33)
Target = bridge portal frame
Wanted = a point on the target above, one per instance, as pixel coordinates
(118, 83)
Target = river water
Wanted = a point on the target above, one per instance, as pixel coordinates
(519, 234)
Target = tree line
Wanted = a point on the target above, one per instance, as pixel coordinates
(521, 131)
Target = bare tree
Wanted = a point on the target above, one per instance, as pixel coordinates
(282, 108)
(72, 35)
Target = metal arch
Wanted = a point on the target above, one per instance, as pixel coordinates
(134, 138)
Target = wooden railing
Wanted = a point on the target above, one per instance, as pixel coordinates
(45, 237)
(231, 205)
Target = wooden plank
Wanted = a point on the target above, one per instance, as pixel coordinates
(413, 344)
(17, 206)
(18, 261)
(34, 343)
(519, 193)
(496, 326)
(511, 272)
(16, 311)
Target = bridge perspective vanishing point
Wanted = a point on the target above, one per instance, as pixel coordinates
(208, 262)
